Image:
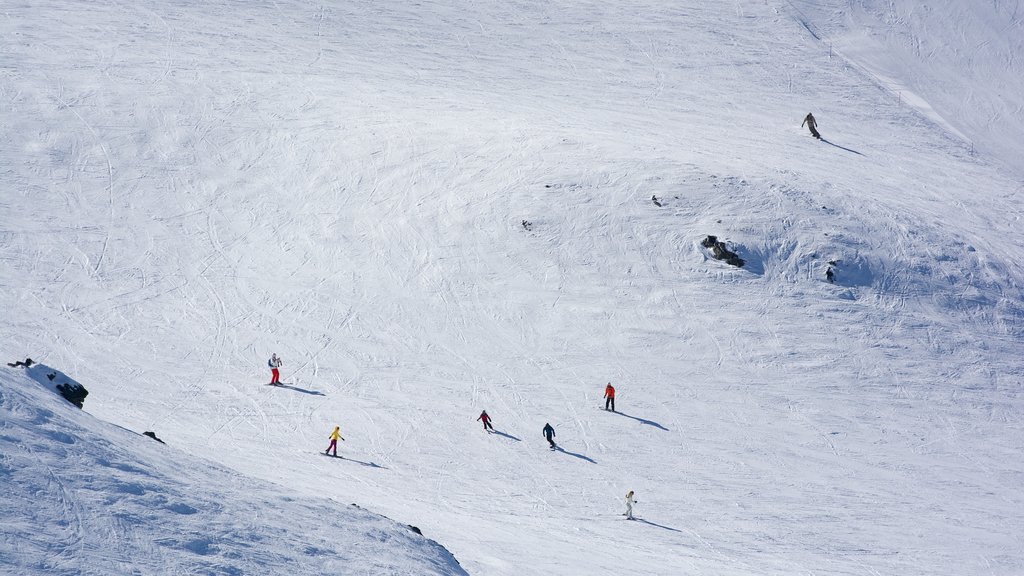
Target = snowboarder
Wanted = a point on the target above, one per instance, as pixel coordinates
(275, 375)
(830, 275)
(812, 124)
(334, 441)
(609, 396)
(629, 505)
(486, 420)
(549, 433)
(27, 363)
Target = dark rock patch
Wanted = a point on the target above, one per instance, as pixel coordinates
(720, 252)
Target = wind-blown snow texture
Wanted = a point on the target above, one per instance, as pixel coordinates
(85, 497)
(189, 187)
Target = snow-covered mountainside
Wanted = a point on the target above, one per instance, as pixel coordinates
(429, 209)
(958, 63)
(86, 497)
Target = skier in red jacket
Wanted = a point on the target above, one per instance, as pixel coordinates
(609, 396)
(486, 420)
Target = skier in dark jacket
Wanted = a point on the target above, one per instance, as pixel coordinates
(483, 417)
(549, 433)
(812, 124)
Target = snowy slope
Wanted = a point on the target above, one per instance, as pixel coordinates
(958, 63)
(85, 497)
(345, 185)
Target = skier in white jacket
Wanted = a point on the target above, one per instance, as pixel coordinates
(630, 500)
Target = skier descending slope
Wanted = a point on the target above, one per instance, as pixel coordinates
(334, 441)
(630, 500)
(486, 420)
(275, 374)
(609, 396)
(812, 124)
(549, 433)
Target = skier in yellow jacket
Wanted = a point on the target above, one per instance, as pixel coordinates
(334, 441)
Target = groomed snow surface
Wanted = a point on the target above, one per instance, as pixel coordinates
(428, 209)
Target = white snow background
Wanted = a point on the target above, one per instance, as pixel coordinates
(187, 187)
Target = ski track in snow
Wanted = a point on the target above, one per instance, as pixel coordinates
(191, 188)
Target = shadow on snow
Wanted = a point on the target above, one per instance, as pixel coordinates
(841, 147)
(580, 456)
(367, 464)
(648, 522)
(643, 421)
(506, 435)
(303, 390)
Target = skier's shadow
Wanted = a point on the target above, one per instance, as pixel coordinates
(303, 390)
(506, 435)
(655, 525)
(642, 421)
(580, 456)
(367, 464)
(841, 147)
